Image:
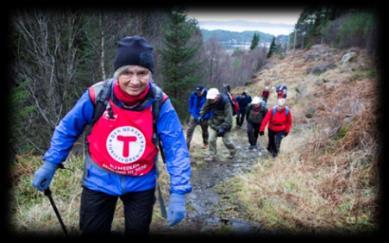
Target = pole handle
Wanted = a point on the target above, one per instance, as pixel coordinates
(47, 192)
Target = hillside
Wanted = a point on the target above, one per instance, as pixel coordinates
(325, 178)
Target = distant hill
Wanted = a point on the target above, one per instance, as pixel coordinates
(282, 39)
(239, 38)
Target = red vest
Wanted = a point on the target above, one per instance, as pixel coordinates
(124, 144)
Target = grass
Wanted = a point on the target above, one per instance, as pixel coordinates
(294, 196)
(31, 211)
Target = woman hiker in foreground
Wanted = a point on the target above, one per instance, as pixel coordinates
(123, 146)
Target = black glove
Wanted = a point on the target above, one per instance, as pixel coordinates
(261, 133)
(285, 134)
(220, 132)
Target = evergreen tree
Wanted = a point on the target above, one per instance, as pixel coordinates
(254, 41)
(311, 22)
(178, 63)
(273, 48)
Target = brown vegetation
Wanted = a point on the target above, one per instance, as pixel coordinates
(325, 178)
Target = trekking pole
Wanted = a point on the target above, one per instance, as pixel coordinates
(160, 198)
(161, 203)
(47, 193)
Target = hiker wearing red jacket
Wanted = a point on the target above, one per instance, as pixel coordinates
(279, 121)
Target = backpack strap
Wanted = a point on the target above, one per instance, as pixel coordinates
(275, 109)
(103, 90)
(159, 98)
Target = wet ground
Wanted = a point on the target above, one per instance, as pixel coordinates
(204, 202)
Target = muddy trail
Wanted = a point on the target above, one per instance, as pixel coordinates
(206, 211)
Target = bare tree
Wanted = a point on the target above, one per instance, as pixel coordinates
(235, 69)
(214, 55)
(46, 60)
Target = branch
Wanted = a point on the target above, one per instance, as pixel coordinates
(41, 111)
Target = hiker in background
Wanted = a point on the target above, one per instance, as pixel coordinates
(123, 146)
(220, 122)
(281, 91)
(279, 119)
(196, 102)
(232, 99)
(243, 100)
(256, 111)
(265, 94)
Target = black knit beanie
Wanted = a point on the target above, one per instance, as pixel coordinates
(134, 50)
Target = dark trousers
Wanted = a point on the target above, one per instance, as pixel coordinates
(240, 118)
(252, 132)
(97, 211)
(275, 141)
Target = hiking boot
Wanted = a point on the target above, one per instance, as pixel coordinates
(232, 155)
(252, 147)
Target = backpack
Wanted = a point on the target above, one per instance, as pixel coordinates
(275, 109)
(235, 106)
(255, 116)
(234, 103)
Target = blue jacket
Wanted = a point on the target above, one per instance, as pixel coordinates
(169, 130)
(196, 103)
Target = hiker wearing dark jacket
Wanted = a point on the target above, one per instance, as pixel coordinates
(244, 99)
(256, 111)
(220, 122)
(196, 102)
(123, 146)
(279, 121)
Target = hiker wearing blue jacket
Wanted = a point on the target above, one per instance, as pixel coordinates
(123, 146)
(196, 102)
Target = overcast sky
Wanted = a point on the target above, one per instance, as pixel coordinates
(269, 21)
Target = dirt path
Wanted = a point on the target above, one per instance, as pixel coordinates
(204, 202)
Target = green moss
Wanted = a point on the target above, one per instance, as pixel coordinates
(363, 74)
(290, 186)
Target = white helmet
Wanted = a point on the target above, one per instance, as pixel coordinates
(256, 100)
(212, 93)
